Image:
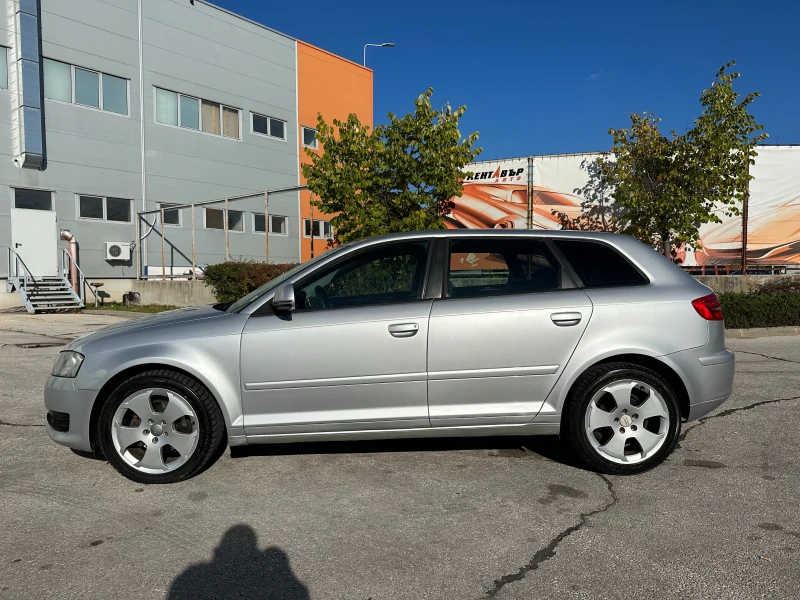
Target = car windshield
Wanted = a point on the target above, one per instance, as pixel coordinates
(245, 301)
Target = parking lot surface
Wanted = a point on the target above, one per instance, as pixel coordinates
(463, 519)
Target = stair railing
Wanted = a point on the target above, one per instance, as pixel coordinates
(14, 262)
(67, 262)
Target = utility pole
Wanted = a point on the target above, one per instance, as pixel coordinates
(745, 204)
(529, 219)
(312, 228)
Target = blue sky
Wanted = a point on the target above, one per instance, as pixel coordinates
(541, 78)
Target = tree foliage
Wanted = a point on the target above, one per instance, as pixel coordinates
(665, 187)
(598, 212)
(401, 176)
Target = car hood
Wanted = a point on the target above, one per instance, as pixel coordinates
(171, 317)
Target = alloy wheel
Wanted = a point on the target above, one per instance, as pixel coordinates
(627, 421)
(155, 430)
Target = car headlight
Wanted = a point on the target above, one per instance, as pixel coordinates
(68, 364)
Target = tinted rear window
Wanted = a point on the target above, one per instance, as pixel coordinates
(494, 266)
(599, 265)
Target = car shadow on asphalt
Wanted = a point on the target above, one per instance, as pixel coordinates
(239, 569)
(531, 447)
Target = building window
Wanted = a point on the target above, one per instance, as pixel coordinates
(33, 199)
(189, 112)
(104, 209)
(277, 224)
(57, 80)
(90, 207)
(115, 94)
(118, 209)
(268, 126)
(166, 107)
(322, 229)
(68, 83)
(215, 219)
(310, 138)
(87, 88)
(3, 68)
(171, 217)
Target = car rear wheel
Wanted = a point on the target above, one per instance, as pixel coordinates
(160, 427)
(621, 418)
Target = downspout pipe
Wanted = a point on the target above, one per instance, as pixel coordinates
(67, 236)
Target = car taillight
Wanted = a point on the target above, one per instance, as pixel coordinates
(708, 307)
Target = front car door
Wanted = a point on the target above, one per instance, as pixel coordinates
(352, 356)
(503, 332)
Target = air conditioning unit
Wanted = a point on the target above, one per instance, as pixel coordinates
(118, 251)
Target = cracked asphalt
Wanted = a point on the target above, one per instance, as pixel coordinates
(464, 519)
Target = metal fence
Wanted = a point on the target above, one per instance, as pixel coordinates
(176, 246)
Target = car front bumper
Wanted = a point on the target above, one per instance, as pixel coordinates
(60, 399)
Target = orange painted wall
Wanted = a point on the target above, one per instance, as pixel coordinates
(335, 87)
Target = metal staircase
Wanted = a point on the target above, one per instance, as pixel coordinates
(48, 293)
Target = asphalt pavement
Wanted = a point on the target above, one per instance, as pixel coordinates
(461, 519)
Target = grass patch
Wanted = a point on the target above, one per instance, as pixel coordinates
(142, 308)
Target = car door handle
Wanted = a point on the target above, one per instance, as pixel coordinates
(567, 319)
(400, 330)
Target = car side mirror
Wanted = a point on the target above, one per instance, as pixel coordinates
(283, 301)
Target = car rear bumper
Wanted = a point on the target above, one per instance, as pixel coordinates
(708, 377)
(61, 398)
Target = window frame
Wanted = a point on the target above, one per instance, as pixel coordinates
(285, 137)
(317, 237)
(579, 283)
(104, 218)
(286, 228)
(426, 275)
(6, 49)
(556, 260)
(14, 198)
(73, 91)
(222, 106)
(268, 223)
(303, 128)
(225, 220)
(99, 75)
(159, 205)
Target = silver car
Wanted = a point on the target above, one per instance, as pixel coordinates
(595, 337)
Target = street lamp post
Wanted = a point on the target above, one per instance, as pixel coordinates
(384, 45)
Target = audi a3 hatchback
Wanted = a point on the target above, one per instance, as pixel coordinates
(593, 337)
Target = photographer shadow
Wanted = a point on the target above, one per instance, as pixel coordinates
(240, 570)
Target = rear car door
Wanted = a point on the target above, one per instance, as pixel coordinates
(351, 356)
(502, 333)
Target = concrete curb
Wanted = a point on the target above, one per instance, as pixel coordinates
(127, 314)
(757, 332)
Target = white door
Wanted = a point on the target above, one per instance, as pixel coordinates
(35, 238)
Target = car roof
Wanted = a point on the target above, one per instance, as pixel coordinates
(542, 233)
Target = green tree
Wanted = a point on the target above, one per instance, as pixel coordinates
(401, 176)
(665, 187)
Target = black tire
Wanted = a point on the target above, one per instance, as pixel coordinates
(573, 429)
(210, 422)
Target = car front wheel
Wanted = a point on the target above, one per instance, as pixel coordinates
(621, 418)
(160, 426)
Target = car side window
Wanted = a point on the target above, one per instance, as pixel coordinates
(386, 274)
(599, 265)
(492, 267)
